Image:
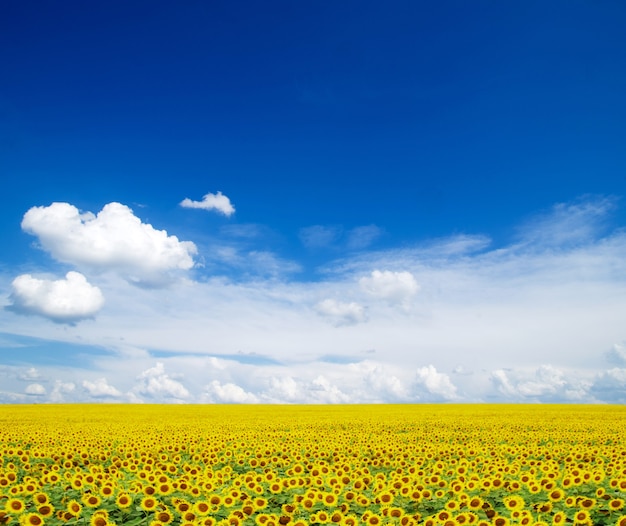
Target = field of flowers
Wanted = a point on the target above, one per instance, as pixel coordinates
(208, 465)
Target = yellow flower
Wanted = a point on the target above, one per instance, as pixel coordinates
(32, 519)
(148, 503)
(74, 507)
(582, 517)
(164, 516)
(46, 510)
(14, 506)
(91, 500)
(123, 500)
(514, 502)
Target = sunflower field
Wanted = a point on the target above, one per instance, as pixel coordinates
(211, 465)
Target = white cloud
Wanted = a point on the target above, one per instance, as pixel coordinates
(156, 384)
(381, 381)
(228, 393)
(322, 391)
(568, 223)
(30, 374)
(100, 389)
(218, 202)
(60, 390)
(64, 301)
(341, 313)
(283, 389)
(502, 383)
(547, 381)
(35, 390)
(542, 384)
(114, 240)
(394, 287)
(491, 315)
(433, 385)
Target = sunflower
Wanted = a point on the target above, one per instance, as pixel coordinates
(148, 503)
(475, 503)
(202, 507)
(559, 518)
(443, 516)
(348, 520)
(46, 510)
(40, 498)
(616, 504)
(99, 519)
(587, 503)
(543, 507)
(164, 488)
(322, 517)
(329, 499)
(621, 521)
(164, 516)
(74, 507)
(374, 520)
(123, 500)
(32, 519)
(106, 491)
(582, 517)
(556, 495)
(91, 500)
(514, 502)
(14, 506)
(336, 517)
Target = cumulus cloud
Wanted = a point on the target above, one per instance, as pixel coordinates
(60, 390)
(433, 385)
(341, 313)
(381, 382)
(218, 202)
(323, 391)
(35, 390)
(228, 393)
(394, 287)
(542, 384)
(156, 384)
(63, 301)
(30, 374)
(283, 389)
(113, 240)
(98, 389)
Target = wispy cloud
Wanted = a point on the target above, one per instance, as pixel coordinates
(317, 237)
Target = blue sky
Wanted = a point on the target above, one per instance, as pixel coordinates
(313, 202)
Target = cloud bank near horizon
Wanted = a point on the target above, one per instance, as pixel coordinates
(449, 320)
